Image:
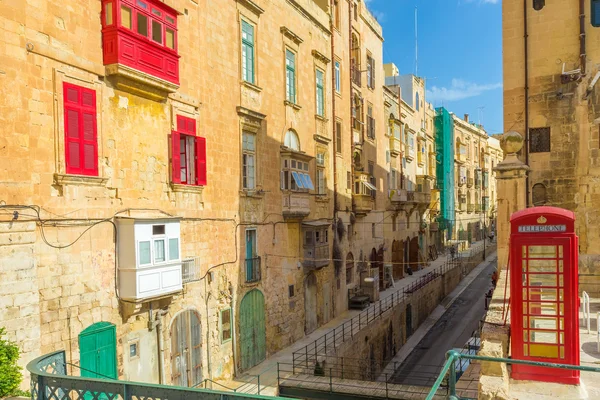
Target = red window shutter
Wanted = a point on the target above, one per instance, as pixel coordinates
(175, 158)
(81, 141)
(201, 161)
(186, 125)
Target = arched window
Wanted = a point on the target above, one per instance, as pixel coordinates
(539, 195)
(291, 140)
(349, 269)
(417, 101)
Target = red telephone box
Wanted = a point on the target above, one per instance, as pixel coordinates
(544, 300)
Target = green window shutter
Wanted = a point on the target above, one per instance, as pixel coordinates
(290, 67)
(247, 52)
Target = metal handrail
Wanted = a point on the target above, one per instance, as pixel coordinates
(213, 382)
(453, 356)
(44, 385)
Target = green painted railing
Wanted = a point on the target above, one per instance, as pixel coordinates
(452, 357)
(50, 381)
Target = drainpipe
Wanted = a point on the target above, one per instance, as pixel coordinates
(334, 152)
(582, 55)
(207, 332)
(351, 101)
(233, 337)
(157, 323)
(526, 147)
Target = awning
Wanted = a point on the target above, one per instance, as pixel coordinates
(302, 180)
(368, 185)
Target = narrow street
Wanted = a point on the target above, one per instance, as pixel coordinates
(452, 330)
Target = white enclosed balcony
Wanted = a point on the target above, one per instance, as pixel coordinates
(149, 256)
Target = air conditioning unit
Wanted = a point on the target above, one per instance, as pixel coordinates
(369, 282)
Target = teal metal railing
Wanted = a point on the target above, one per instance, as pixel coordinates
(50, 381)
(452, 357)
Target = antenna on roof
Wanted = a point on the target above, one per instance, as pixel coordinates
(479, 114)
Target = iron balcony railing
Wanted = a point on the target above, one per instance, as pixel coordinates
(252, 269)
(50, 381)
(453, 357)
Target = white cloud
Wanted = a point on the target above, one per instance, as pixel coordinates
(379, 15)
(458, 90)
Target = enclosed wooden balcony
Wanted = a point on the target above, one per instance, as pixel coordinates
(395, 146)
(295, 205)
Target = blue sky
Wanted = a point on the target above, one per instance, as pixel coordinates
(460, 52)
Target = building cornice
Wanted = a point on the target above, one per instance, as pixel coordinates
(252, 6)
(321, 57)
(291, 35)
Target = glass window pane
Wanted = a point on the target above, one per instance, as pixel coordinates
(142, 24)
(174, 249)
(543, 337)
(156, 12)
(126, 17)
(525, 350)
(170, 19)
(144, 252)
(159, 250)
(543, 323)
(108, 13)
(170, 38)
(542, 251)
(142, 4)
(541, 265)
(542, 280)
(562, 351)
(157, 32)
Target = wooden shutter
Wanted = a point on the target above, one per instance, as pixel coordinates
(186, 125)
(175, 158)
(200, 161)
(81, 141)
(373, 73)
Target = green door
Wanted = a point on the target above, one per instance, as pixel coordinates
(98, 351)
(253, 338)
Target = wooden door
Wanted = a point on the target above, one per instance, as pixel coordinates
(98, 351)
(186, 350)
(310, 304)
(397, 261)
(253, 338)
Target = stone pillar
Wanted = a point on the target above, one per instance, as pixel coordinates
(511, 176)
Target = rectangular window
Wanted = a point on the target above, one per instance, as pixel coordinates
(173, 249)
(336, 14)
(338, 83)
(595, 13)
(247, 52)
(159, 250)
(321, 181)
(248, 160)
(226, 325)
(372, 179)
(320, 93)
(370, 72)
(188, 154)
(170, 38)
(157, 32)
(142, 24)
(370, 122)
(81, 141)
(348, 180)
(338, 137)
(126, 17)
(290, 76)
(539, 140)
(108, 13)
(294, 176)
(251, 259)
(291, 290)
(144, 253)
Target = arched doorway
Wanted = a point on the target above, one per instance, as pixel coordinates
(397, 259)
(310, 303)
(98, 351)
(406, 256)
(414, 253)
(253, 337)
(186, 349)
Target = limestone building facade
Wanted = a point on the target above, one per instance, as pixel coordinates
(551, 97)
(220, 174)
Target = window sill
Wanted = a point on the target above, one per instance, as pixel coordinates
(338, 94)
(293, 105)
(178, 187)
(82, 180)
(254, 193)
(251, 86)
(321, 118)
(322, 198)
